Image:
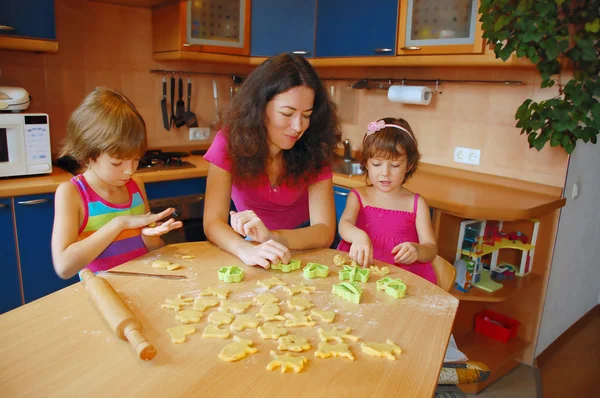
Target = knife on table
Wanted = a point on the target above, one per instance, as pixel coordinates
(125, 273)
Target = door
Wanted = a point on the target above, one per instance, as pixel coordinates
(35, 215)
(356, 28)
(10, 285)
(283, 26)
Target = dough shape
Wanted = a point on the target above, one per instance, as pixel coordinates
(269, 283)
(333, 350)
(293, 342)
(212, 331)
(188, 316)
(336, 334)
(270, 312)
(295, 319)
(292, 266)
(325, 316)
(237, 350)
(383, 271)
(340, 261)
(188, 257)
(382, 350)
(287, 361)
(176, 304)
(299, 304)
(220, 292)
(173, 267)
(301, 288)
(220, 318)
(178, 333)
(201, 304)
(266, 298)
(236, 308)
(244, 321)
(233, 274)
(164, 264)
(271, 330)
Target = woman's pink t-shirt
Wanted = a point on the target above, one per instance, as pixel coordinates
(281, 207)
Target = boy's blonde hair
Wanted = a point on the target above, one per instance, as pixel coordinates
(385, 142)
(105, 122)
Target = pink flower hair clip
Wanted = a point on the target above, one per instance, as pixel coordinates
(374, 127)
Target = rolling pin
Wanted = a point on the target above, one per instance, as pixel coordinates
(116, 313)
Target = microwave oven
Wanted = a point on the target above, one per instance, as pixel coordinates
(24, 144)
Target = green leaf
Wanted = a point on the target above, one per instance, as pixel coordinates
(501, 22)
(593, 27)
(566, 140)
(559, 2)
(556, 138)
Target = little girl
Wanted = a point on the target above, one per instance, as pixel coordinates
(384, 220)
(102, 216)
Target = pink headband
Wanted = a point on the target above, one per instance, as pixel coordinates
(374, 127)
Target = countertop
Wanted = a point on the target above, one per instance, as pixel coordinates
(60, 346)
(462, 193)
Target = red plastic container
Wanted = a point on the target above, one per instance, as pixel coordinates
(496, 326)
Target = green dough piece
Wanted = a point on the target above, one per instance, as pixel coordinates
(392, 287)
(354, 274)
(292, 266)
(231, 274)
(349, 291)
(315, 270)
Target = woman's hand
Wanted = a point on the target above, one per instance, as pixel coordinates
(406, 253)
(248, 224)
(361, 251)
(265, 254)
(162, 228)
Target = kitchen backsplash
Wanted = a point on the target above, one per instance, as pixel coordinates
(90, 55)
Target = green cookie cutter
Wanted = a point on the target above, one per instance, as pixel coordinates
(292, 266)
(392, 287)
(315, 270)
(231, 274)
(349, 291)
(354, 274)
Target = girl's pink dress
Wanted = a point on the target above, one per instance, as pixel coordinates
(388, 228)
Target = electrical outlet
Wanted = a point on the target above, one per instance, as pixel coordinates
(199, 133)
(467, 155)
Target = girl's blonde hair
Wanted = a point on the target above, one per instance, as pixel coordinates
(385, 142)
(105, 122)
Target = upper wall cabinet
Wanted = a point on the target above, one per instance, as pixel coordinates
(354, 28)
(28, 25)
(208, 26)
(283, 26)
(439, 27)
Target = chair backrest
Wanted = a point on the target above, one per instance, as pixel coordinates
(445, 273)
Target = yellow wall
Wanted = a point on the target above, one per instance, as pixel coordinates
(114, 49)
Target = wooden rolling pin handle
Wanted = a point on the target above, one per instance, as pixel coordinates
(142, 347)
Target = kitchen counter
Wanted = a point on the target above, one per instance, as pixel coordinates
(60, 346)
(462, 193)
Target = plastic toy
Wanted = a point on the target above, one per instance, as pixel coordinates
(392, 287)
(354, 274)
(349, 291)
(292, 266)
(233, 274)
(315, 270)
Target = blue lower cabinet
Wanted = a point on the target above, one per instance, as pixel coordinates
(10, 286)
(340, 196)
(169, 189)
(35, 217)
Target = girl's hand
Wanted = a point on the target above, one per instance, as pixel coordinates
(248, 224)
(361, 251)
(405, 253)
(162, 228)
(141, 221)
(265, 254)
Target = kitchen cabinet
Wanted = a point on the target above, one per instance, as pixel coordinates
(356, 28)
(173, 188)
(10, 290)
(28, 25)
(433, 27)
(340, 196)
(208, 26)
(283, 26)
(34, 215)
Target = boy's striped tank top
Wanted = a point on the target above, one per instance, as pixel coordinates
(129, 244)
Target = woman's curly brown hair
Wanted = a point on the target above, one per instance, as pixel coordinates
(245, 126)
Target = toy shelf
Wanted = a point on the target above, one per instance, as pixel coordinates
(503, 244)
(494, 354)
(509, 289)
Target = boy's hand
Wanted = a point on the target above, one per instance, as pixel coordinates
(265, 254)
(361, 251)
(405, 253)
(162, 228)
(248, 224)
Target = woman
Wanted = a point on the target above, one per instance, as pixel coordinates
(273, 159)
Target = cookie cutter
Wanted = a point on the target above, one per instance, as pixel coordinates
(392, 287)
(349, 291)
(315, 270)
(354, 274)
(292, 266)
(231, 274)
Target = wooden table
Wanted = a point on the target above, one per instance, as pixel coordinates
(60, 346)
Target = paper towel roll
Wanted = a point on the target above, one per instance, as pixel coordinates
(417, 95)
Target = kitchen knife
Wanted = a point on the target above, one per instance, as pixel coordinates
(180, 110)
(172, 120)
(125, 273)
(163, 106)
(189, 116)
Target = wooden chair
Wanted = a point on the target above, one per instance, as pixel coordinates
(445, 273)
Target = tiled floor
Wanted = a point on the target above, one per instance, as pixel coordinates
(520, 383)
